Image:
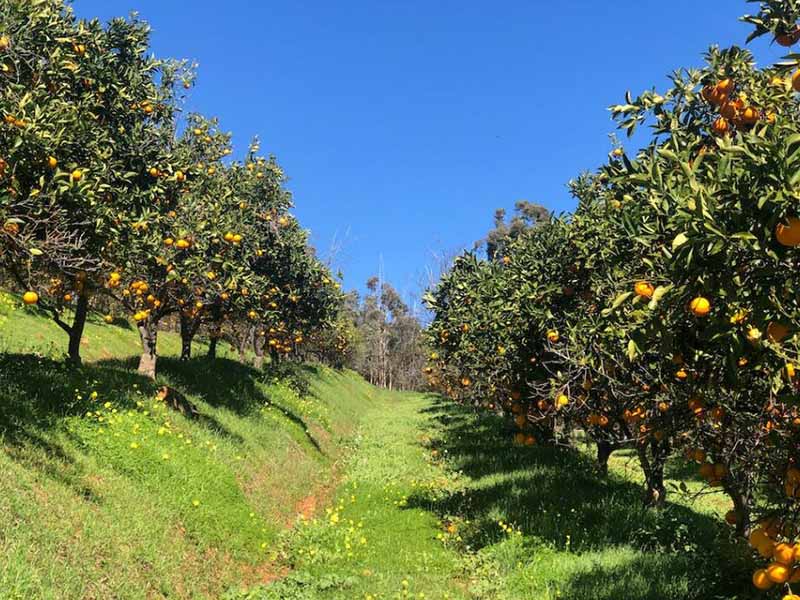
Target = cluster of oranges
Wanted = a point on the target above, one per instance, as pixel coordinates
(734, 111)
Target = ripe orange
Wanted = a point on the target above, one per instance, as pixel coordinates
(784, 554)
(644, 289)
(796, 81)
(721, 126)
(553, 336)
(700, 306)
(52, 162)
(562, 400)
(30, 298)
(182, 244)
(761, 580)
(730, 111)
(778, 573)
(180, 177)
(731, 517)
(725, 86)
(5, 43)
(530, 440)
(750, 115)
(77, 175)
(153, 171)
(788, 234)
(168, 241)
(757, 537)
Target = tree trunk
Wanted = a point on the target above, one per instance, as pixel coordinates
(148, 332)
(653, 468)
(212, 347)
(76, 330)
(604, 450)
(244, 342)
(741, 495)
(188, 331)
(258, 349)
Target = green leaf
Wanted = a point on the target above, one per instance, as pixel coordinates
(679, 241)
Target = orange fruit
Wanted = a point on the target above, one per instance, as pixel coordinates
(721, 126)
(724, 87)
(30, 298)
(644, 289)
(700, 307)
(761, 580)
(784, 554)
(750, 115)
(76, 175)
(52, 162)
(788, 234)
(778, 573)
(553, 336)
(757, 537)
(796, 81)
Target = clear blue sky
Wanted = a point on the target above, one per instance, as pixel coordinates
(404, 124)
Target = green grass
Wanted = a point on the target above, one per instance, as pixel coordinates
(107, 493)
(448, 508)
(30, 330)
(308, 484)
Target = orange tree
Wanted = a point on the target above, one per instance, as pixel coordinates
(74, 97)
(302, 297)
(167, 254)
(698, 336)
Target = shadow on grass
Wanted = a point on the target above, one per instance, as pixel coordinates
(557, 499)
(37, 393)
(228, 384)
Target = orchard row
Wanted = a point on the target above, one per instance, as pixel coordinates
(113, 199)
(662, 315)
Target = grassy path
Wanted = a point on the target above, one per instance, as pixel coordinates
(435, 503)
(370, 542)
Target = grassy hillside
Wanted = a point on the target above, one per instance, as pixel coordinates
(309, 484)
(108, 493)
